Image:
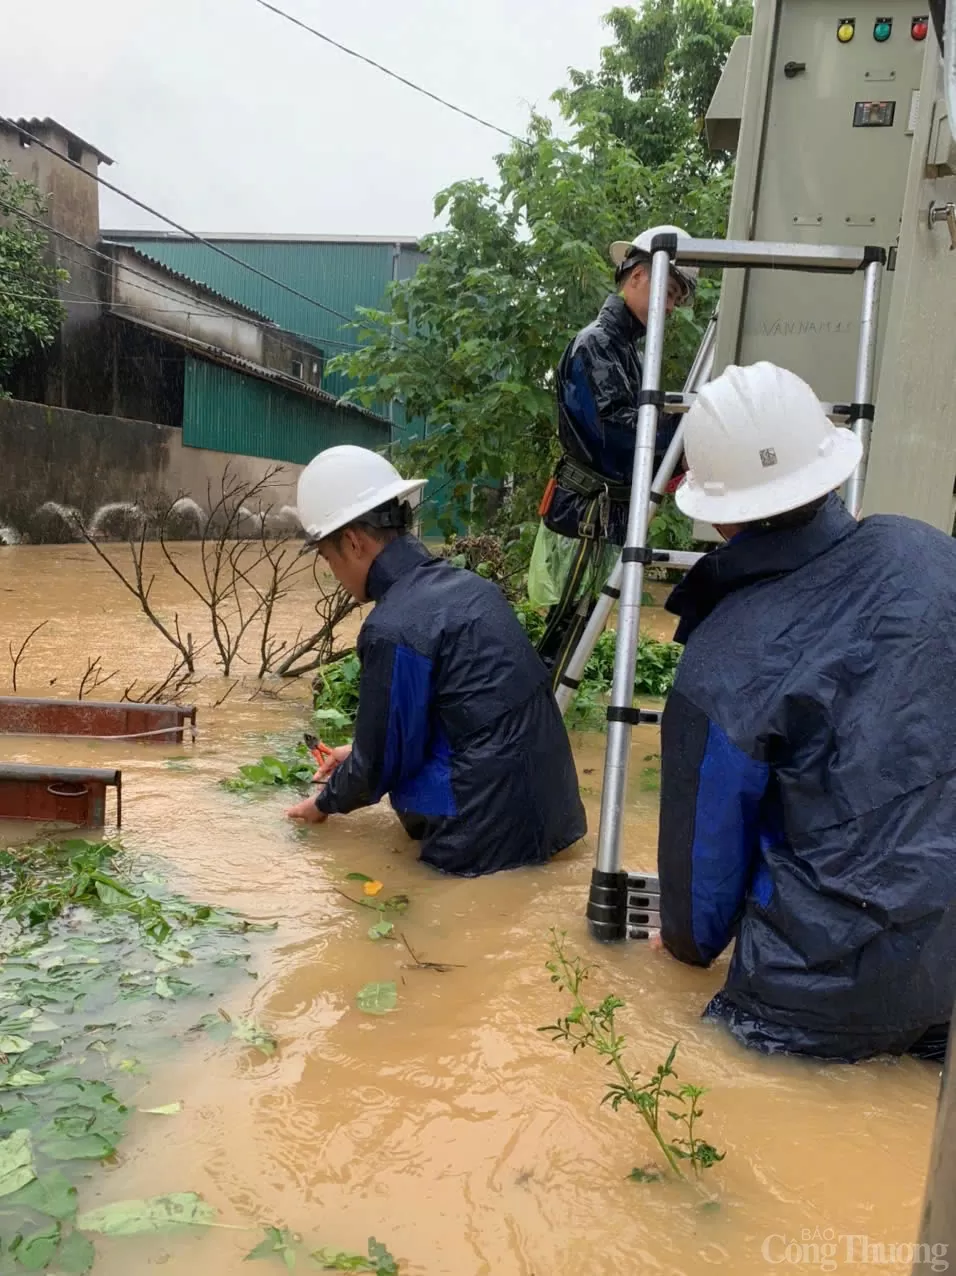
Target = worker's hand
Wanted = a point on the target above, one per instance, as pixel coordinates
(308, 812)
(336, 758)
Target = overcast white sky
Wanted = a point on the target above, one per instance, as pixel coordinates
(228, 118)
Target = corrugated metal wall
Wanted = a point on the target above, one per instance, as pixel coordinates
(342, 276)
(229, 412)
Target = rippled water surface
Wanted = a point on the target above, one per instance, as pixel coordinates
(451, 1129)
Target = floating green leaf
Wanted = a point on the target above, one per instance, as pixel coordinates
(379, 1260)
(52, 1194)
(154, 1214)
(385, 1263)
(14, 1045)
(251, 1034)
(163, 989)
(22, 1078)
(16, 1162)
(358, 877)
(331, 1261)
(34, 1252)
(167, 1109)
(381, 930)
(378, 998)
(277, 1243)
(76, 1255)
(89, 1147)
(112, 894)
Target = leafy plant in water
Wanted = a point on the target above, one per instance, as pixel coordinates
(595, 1028)
(277, 1243)
(335, 698)
(90, 959)
(379, 1261)
(296, 768)
(377, 998)
(221, 1027)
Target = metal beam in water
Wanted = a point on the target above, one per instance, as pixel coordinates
(68, 795)
(109, 719)
(937, 1236)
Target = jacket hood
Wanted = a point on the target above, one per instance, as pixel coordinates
(398, 557)
(752, 556)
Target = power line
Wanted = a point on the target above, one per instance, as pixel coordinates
(393, 74)
(183, 230)
(215, 307)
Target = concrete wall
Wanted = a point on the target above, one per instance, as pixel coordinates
(151, 295)
(72, 459)
(72, 371)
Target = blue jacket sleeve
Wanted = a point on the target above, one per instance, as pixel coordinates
(392, 727)
(603, 393)
(614, 392)
(709, 831)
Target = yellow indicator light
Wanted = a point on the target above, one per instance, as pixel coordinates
(845, 32)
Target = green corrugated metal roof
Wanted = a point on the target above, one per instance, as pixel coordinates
(230, 412)
(341, 276)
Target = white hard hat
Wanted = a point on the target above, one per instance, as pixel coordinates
(758, 443)
(343, 483)
(620, 250)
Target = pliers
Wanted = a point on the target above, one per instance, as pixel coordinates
(321, 752)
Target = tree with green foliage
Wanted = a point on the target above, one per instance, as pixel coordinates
(30, 311)
(656, 80)
(470, 343)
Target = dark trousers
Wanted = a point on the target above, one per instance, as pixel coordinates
(417, 827)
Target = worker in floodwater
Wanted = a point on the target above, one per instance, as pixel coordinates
(584, 507)
(456, 720)
(808, 782)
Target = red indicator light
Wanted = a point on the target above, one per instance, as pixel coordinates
(919, 28)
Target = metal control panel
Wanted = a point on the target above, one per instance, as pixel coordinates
(829, 109)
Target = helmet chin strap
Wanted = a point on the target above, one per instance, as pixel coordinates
(391, 515)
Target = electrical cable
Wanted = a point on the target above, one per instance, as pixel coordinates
(183, 230)
(418, 88)
(216, 307)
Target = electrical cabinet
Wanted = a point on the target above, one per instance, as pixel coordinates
(829, 107)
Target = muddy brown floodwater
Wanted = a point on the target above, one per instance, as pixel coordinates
(451, 1129)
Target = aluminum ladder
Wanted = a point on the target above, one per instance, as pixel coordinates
(623, 905)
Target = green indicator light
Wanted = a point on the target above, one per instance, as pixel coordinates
(882, 29)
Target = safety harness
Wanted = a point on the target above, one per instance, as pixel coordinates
(592, 532)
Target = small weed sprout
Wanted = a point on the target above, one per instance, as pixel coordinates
(595, 1028)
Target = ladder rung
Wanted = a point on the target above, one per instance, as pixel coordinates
(677, 403)
(840, 259)
(645, 882)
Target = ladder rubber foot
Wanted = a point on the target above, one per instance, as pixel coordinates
(607, 906)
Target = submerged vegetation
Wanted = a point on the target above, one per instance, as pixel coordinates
(595, 1028)
(101, 967)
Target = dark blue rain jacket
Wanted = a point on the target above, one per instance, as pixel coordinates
(598, 383)
(808, 790)
(456, 721)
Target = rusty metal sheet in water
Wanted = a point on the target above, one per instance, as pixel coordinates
(68, 795)
(22, 715)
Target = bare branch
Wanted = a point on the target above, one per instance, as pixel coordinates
(137, 585)
(94, 677)
(228, 692)
(23, 646)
